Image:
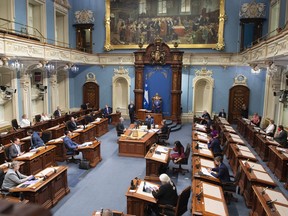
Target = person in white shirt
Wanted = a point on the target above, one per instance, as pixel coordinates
(25, 121)
(270, 128)
(44, 117)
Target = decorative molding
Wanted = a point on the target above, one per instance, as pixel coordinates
(63, 3)
(252, 10)
(240, 80)
(91, 77)
(84, 17)
(203, 73)
(120, 71)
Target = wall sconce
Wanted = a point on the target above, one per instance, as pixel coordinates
(72, 67)
(49, 67)
(255, 69)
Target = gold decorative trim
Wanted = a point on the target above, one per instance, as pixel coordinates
(218, 46)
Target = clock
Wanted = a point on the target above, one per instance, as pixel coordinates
(90, 77)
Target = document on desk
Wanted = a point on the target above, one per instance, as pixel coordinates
(282, 210)
(263, 176)
(244, 148)
(46, 172)
(211, 190)
(78, 130)
(202, 133)
(161, 156)
(207, 163)
(162, 149)
(275, 195)
(205, 172)
(214, 206)
(202, 145)
(148, 185)
(29, 183)
(85, 144)
(200, 126)
(205, 151)
(154, 130)
(25, 138)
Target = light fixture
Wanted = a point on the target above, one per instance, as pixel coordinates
(16, 65)
(49, 67)
(255, 69)
(74, 68)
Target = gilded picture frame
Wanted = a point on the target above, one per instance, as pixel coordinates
(130, 24)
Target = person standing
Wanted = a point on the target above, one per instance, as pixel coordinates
(131, 109)
(244, 111)
(222, 113)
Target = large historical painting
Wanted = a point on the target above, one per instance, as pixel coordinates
(190, 23)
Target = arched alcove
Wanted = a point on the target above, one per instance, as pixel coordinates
(121, 90)
(203, 85)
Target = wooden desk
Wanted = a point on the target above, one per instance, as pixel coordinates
(57, 131)
(137, 200)
(155, 162)
(115, 118)
(136, 147)
(199, 127)
(57, 121)
(101, 126)
(49, 191)
(262, 146)
(202, 151)
(86, 134)
(227, 128)
(257, 176)
(200, 163)
(231, 139)
(260, 199)
(242, 126)
(38, 126)
(7, 137)
(278, 162)
(92, 153)
(208, 199)
(37, 161)
(239, 152)
(199, 136)
(142, 113)
(251, 132)
(60, 151)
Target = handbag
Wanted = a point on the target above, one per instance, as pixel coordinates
(84, 164)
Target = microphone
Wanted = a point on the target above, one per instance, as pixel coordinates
(250, 169)
(270, 202)
(199, 195)
(263, 191)
(246, 162)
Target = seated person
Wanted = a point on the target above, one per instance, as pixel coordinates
(214, 132)
(244, 111)
(255, 119)
(270, 130)
(179, 151)
(221, 169)
(84, 106)
(57, 112)
(222, 114)
(120, 127)
(72, 125)
(25, 122)
(44, 117)
(14, 149)
(13, 177)
(214, 145)
(207, 122)
(88, 118)
(281, 136)
(106, 113)
(166, 194)
(206, 114)
(149, 121)
(69, 144)
(36, 141)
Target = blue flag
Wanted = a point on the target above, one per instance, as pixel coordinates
(146, 97)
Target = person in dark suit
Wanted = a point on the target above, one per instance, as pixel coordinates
(149, 120)
(13, 177)
(244, 111)
(57, 112)
(120, 127)
(206, 114)
(222, 114)
(106, 112)
(166, 194)
(214, 144)
(72, 125)
(221, 170)
(14, 149)
(281, 136)
(131, 109)
(69, 144)
(36, 140)
(84, 106)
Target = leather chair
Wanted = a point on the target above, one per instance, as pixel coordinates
(182, 161)
(162, 138)
(230, 188)
(6, 153)
(46, 136)
(181, 206)
(37, 118)
(70, 158)
(14, 124)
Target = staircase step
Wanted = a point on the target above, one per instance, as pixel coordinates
(176, 128)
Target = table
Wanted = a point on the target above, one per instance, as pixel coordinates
(238, 152)
(278, 162)
(50, 187)
(60, 151)
(157, 158)
(199, 127)
(257, 176)
(86, 134)
(199, 170)
(137, 199)
(37, 161)
(92, 153)
(136, 146)
(57, 121)
(101, 126)
(250, 134)
(200, 136)
(262, 146)
(57, 131)
(208, 199)
(262, 196)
